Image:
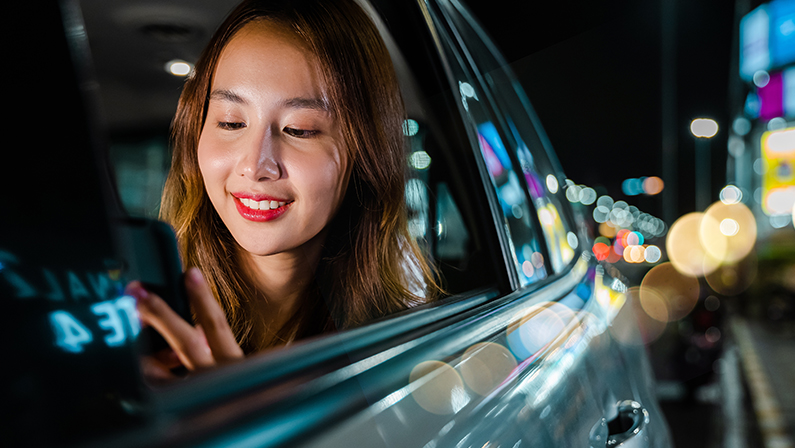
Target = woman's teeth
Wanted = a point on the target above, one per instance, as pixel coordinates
(261, 205)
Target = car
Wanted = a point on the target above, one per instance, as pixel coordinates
(536, 344)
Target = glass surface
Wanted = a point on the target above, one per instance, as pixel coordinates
(509, 134)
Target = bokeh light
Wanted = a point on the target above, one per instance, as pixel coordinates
(552, 184)
(730, 194)
(538, 328)
(653, 185)
(653, 254)
(178, 67)
(704, 127)
(664, 287)
(633, 326)
(485, 365)
(440, 389)
(733, 279)
(685, 249)
(728, 231)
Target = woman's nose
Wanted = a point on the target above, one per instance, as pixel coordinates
(259, 159)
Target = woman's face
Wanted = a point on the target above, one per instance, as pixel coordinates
(271, 153)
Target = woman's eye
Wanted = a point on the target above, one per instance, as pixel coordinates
(230, 125)
(300, 133)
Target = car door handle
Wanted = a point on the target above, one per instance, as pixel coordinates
(623, 430)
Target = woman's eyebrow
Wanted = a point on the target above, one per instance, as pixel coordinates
(226, 95)
(306, 103)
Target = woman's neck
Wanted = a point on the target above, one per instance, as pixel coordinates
(282, 280)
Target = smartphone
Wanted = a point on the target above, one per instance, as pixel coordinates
(149, 253)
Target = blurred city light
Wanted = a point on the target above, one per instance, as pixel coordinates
(653, 185)
(704, 127)
(420, 160)
(761, 78)
(552, 184)
(685, 249)
(730, 194)
(741, 126)
(410, 127)
(178, 67)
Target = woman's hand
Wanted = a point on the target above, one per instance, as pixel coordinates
(205, 345)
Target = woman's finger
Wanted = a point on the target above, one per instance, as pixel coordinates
(155, 372)
(187, 342)
(212, 319)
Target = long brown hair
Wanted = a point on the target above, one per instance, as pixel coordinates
(371, 266)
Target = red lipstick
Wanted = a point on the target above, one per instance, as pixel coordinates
(259, 215)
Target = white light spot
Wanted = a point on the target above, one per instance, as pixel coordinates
(420, 160)
(652, 254)
(410, 127)
(729, 227)
(587, 196)
(704, 127)
(731, 194)
(571, 238)
(761, 78)
(552, 184)
(178, 67)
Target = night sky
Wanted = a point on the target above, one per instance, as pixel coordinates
(593, 71)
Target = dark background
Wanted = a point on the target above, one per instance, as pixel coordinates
(610, 97)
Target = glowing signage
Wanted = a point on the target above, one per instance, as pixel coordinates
(778, 180)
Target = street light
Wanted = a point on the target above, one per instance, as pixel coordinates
(703, 129)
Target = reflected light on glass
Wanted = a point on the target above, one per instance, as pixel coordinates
(587, 196)
(528, 269)
(571, 238)
(485, 365)
(552, 184)
(178, 67)
(420, 160)
(546, 217)
(437, 385)
(410, 127)
(573, 193)
(730, 194)
(704, 127)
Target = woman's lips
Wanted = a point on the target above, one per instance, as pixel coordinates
(266, 210)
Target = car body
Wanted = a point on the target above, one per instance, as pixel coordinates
(535, 346)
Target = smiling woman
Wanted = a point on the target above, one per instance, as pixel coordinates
(287, 185)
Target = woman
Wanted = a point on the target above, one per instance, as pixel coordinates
(287, 183)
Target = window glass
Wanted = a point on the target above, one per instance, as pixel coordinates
(521, 135)
(527, 251)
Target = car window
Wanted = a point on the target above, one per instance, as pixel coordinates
(509, 134)
(498, 149)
